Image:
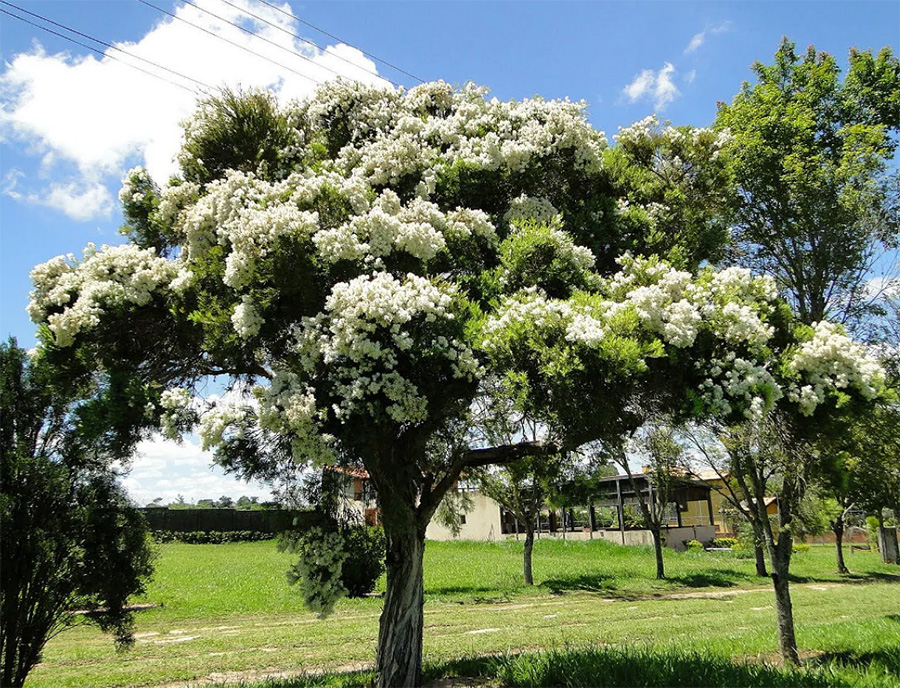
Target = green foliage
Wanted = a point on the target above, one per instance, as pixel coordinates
(724, 542)
(333, 563)
(365, 547)
(239, 131)
(694, 546)
(800, 547)
(809, 156)
(71, 538)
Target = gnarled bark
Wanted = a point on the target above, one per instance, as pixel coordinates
(399, 661)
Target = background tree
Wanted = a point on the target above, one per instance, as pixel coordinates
(712, 454)
(817, 206)
(355, 293)
(72, 541)
(666, 461)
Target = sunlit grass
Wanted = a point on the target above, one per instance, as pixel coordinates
(227, 610)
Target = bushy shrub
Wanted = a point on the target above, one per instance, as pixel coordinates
(800, 547)
(364, 564)
(725, 542)
(332, 563)
(213, 537)
(694, 546)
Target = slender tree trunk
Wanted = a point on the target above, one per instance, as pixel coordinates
(760, 560)
(759, 548)
(657, 545)
(784, 610)
(837, 525)
(399, 661)
(529, 547)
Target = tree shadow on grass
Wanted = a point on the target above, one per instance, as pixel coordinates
(620, 667)
(586, 582)
(607, 585)
(885, 661)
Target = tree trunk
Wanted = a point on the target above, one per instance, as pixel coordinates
(838, 527)
(657, 545)
(760, 559)
(529, 547)
(399, 661)
(759, 547)
(787, 640)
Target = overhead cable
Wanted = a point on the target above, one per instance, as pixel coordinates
(340, 40)
(304, 40)
(290, 51)
(93, 49)
(227, 40)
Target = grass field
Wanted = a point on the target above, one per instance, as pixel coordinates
(227, 613)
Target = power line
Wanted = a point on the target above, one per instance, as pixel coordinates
(304, 40)
(103, 43)
(99, 52)
(222, 38)
(339, 40)
(262, 38)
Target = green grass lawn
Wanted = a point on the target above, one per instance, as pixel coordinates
(228, 613)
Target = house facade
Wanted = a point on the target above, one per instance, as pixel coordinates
(691, 515)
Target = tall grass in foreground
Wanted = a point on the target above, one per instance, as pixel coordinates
(637, 667)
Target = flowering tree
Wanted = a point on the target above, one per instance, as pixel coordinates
(400, 247)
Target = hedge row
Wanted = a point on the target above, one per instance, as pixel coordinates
(199, 537)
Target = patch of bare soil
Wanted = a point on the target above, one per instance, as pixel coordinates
(228, 678)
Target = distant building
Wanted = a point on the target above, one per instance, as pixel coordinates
(691, 513)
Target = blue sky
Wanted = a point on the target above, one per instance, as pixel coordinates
(72, 122)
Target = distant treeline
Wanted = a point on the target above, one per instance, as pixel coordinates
(225, 520)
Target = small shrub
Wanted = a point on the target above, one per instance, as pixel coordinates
(694, 546)
(800, 547)
(725, 542)
(364, 564)
(332, 563)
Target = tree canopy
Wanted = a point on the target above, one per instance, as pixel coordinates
(358, 286)
(817, 204)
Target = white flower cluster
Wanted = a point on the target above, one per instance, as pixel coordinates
(105, 279)
(176, 404)
(246, 318)
(410, 134)
(526, 208)
(367, 325)
(248, 215)
(641, 134)
(830, 362)
(288, 406)
(136, 181)
(216, 422)
(730, 305)
(735, 380)
(420, 229)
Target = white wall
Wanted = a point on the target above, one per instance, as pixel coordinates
(482, 522)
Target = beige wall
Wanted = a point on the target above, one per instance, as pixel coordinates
(482, 522)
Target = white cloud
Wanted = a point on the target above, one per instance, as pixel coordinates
(690, 76)
(163, 468)
(656, 85)
(102, 115)
(80, 200)
(699, 39)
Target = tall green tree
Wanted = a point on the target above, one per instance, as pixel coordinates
(413, 244)
(74, 547)
(817, 203)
